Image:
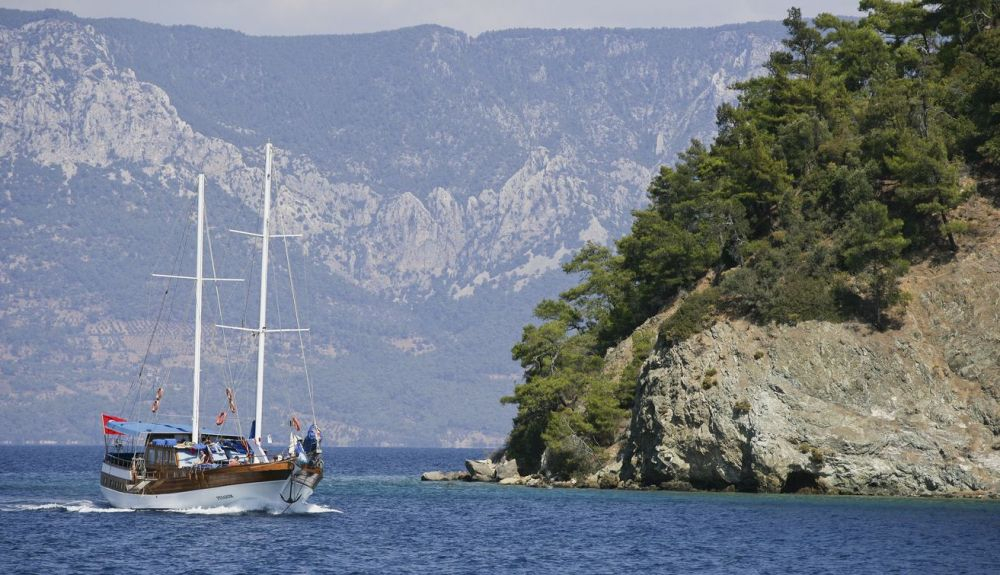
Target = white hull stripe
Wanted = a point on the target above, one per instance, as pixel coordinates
(249, 496)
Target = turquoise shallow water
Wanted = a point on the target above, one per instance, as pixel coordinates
(373, 515)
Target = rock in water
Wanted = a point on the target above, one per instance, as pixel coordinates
(507, 469)
(516, 480)
(481, 470)
(444, 476)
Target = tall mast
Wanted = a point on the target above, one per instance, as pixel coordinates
(263, 297)
(199, 281)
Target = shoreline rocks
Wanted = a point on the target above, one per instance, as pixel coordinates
(444, 476)
(607, 478)
(594, 482)
(481, 470)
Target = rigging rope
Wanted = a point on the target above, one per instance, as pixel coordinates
(137, 384)
(298, 325)
(170, 313)
(230, 383)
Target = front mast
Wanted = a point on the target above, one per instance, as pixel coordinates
(263, 298)
(200, 280)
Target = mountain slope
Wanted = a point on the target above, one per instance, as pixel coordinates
(437, 180)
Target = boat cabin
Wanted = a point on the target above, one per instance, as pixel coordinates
(161, 448)
(210, 453)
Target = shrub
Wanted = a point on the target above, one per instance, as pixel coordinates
(602, 413)
(788, 283)
(567, 453)
(816, 455)
(741, 407)
(696, 313)
(642, 346)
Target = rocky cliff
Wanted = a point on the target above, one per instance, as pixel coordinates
(837, 407)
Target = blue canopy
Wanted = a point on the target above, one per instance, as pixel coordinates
(137, 427)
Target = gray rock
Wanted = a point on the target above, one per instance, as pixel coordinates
(609, 477)
(535, 481)
(444, 476)
(506, 469)
(830, 407)
(481, 470)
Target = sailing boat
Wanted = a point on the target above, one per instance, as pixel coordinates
(162, 466)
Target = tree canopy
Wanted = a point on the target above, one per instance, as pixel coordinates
(830, 174)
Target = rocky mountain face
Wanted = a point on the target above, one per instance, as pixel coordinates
(837, 407)
(438, 180)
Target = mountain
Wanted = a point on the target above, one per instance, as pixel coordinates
(437, 179)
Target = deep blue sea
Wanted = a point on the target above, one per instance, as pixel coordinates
(373, 515)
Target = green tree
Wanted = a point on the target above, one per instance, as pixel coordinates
(872, 248)
(926, 183)
(661, 257)
(601, 290)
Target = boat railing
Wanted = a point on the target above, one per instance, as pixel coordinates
(121, 459)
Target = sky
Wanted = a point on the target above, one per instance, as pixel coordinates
(296, 17)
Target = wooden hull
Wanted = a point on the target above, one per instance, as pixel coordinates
(275, 486)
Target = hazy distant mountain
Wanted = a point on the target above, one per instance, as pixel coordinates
(438, 180)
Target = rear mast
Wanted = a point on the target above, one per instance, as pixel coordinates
(199, 280)
(259, 414)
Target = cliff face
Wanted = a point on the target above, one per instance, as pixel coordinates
(837, 407)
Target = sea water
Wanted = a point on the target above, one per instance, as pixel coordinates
(372, 514)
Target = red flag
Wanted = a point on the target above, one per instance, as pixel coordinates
(107, 418)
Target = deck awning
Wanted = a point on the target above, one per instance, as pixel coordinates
(137, 427)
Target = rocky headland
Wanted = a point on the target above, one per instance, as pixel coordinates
(821, 407)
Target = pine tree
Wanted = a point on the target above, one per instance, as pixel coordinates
(872, 248)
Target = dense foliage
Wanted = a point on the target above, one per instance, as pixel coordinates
(829, 176)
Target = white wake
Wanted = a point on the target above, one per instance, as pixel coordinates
(239, 510)
(317, 508)
(87, 506)
(82, 506)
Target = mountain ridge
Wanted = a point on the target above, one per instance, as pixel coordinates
(98, 154)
